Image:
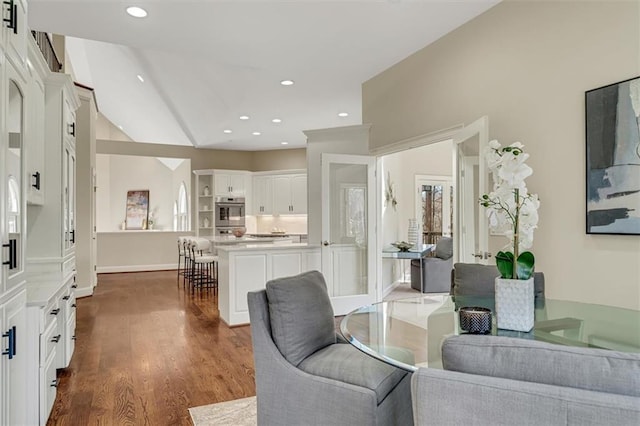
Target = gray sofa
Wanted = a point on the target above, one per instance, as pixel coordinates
(305, 375)
(436, 271)
(511, 381)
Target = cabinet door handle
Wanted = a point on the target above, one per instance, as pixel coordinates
(73, 236)
(74, 285)
(11, 348)
(12, 20)
(66, 297)
(36, 184)
(73, 337)
(72, 129)
(56, 311)
(73, 305)
(54, 383)
(13, 254)
(56, 339)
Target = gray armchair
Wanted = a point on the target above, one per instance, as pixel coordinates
(507, 381)
(305, 375)
(436, 271)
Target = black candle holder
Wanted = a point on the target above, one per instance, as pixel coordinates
(475, 320)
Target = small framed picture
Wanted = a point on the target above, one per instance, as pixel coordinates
(137, 209)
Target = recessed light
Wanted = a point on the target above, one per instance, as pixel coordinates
(227, 131)
(287, 82)
(256, 133)
(284, 143)
(136, 12)
(244, 117)
(140, 78)
(343, 114)
(276, 120)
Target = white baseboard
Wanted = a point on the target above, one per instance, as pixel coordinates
(84, 292)
(136, 268)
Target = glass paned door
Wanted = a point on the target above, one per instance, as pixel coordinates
(348, 216)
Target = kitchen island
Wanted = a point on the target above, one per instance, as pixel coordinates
(248, 267)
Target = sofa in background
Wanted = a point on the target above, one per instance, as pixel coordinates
(512, 381)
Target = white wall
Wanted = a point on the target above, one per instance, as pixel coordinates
(117, 174)
(527, 66)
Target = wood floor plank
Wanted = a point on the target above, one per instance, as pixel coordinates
(146, 351)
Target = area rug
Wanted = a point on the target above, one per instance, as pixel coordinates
(239, 412)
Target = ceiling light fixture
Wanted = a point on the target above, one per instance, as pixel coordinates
(276, 120)
(343, 114)
(287, 82)
(256, 133)
(244, 117)
(284, 143)
(136, 12)
(140, 78)
(227, 131)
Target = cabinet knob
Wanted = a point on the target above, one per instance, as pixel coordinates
(73, 306)
(66, 297)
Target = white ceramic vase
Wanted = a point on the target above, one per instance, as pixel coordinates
(515, 303)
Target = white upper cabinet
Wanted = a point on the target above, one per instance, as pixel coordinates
(34, 131)
(262, 195)
(13, 179)
(231, 183)
(290, 194)
(15, 31)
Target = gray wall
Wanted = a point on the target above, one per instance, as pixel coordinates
(527, 65)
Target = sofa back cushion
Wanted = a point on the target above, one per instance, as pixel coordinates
(301, 315)
(532, 361)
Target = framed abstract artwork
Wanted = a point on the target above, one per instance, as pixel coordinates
(137, 209)
(613, 158)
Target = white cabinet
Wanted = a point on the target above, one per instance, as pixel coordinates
(51, 239)
(13, 364)
(51, 319)
(15, 30)
(290, 194)
(231, 183)
(262, 195)
(204, 203)
(34, 132)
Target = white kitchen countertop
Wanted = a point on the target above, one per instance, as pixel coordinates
(42, 287)
(252, 240)
(262, 247)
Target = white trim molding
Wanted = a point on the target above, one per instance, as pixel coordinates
(137, 268)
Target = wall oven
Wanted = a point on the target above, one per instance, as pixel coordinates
(229, 212)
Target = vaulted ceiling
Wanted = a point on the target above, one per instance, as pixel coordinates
(206, 63)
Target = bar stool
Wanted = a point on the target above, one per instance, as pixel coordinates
(204, 272)
(182, 258)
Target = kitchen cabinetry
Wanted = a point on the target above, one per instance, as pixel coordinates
(231, 183)
(290, 194)
(34, 141)
(13, 364)
(51, 240)
(262, 195)
(15, 30)
(204, 204)
(51, 339)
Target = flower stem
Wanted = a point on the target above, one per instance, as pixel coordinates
(516, 231)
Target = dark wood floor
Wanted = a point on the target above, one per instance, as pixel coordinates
(146, 351)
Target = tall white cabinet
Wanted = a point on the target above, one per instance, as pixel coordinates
(14, 95)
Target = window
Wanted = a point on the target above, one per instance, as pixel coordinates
(436, 207)
(183, 209)
(175, 215)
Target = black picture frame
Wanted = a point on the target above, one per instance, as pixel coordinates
(612, 119)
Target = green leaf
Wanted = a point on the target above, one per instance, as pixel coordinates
(525, 265)
(504, 261)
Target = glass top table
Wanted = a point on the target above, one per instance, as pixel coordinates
(408, 333)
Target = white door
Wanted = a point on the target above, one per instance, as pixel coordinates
(348, 236)
(471, 235)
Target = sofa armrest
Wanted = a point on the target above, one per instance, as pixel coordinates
(442, 397)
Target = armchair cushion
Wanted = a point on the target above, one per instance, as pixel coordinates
(347, 364)
(301, 320)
